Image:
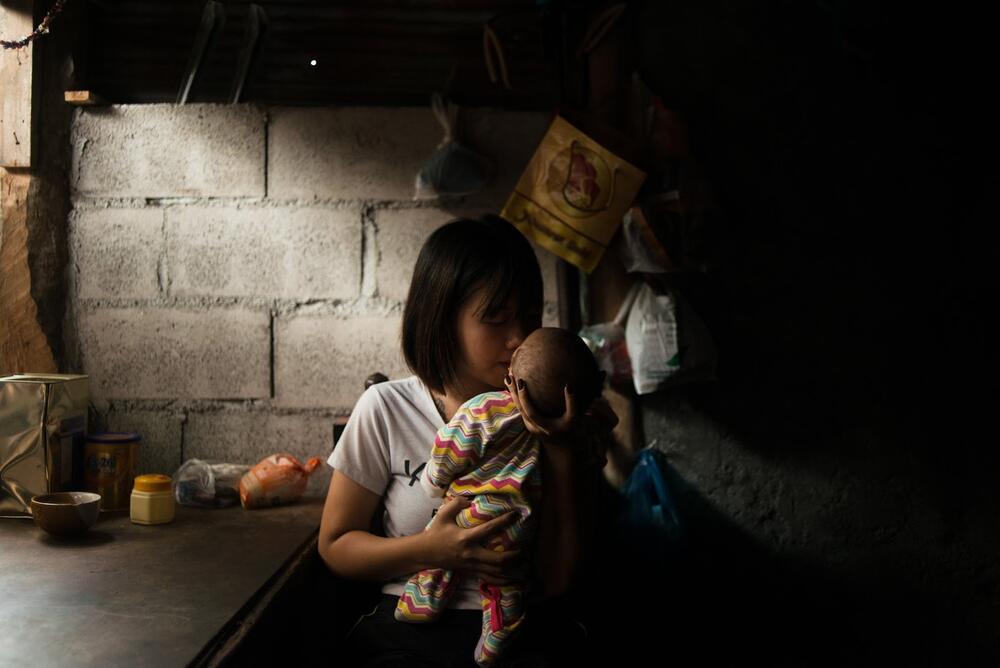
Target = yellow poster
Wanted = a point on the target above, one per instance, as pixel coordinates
(572, 195)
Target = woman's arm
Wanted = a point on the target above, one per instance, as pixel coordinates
(566, 514)
(350, 550)
(347, 546)
(559, 532)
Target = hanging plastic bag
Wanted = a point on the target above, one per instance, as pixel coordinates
(452, 170)
(208, 485)
(571, 197)
(640, 250)
(275, 481)
(606, 341)
(651, 337)
(649, 515)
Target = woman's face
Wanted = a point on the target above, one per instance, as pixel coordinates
(486, 344)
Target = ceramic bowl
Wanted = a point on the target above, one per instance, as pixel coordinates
(66, 513)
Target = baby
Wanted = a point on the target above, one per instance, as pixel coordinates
(485, 453)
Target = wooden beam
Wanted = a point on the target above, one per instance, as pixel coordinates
(16, 18)
(23, 346)
(83, 98)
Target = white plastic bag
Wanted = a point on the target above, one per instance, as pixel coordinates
(651, 337)
(606, 341)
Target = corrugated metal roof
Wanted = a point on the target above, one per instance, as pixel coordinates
(365, 52)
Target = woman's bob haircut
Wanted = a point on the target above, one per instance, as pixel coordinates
(457, 260)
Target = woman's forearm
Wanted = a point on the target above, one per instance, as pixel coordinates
(365, 556)
(559, 533)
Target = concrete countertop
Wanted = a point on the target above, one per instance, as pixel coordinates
(131, 595)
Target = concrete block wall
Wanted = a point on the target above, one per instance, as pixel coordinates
(236, 272)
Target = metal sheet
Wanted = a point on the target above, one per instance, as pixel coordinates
(43, 419)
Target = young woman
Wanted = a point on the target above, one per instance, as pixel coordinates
(476, 293)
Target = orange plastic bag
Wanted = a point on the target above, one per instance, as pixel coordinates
(275, 481)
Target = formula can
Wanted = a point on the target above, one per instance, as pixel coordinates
(110, 462)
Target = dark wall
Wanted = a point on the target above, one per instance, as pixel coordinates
(839, 481)
(48, 198)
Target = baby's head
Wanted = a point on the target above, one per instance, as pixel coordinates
(548, 360)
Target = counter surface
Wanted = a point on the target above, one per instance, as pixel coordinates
(126, 594)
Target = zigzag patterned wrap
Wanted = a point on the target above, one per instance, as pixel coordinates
(485, 454)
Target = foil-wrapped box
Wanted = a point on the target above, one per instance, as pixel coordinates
(43, 422)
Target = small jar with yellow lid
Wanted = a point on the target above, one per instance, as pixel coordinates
(152, 499)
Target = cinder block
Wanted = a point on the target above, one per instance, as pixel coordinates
(352, 153)
(116, 252)
(166, 150)
(322, 361)
(166, 353)
(160, 449)
(289, 252)
(400, 235)
(402, 232)
(247, 438)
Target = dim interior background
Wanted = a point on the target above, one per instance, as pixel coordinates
(228, 274)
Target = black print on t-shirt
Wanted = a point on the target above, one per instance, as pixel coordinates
(415, 476)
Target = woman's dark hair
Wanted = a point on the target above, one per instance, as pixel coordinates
(457, 260)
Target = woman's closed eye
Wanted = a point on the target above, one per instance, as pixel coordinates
(497, 319)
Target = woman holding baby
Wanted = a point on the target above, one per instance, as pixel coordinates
(475, 295)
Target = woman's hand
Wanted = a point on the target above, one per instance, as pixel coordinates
(548, 428)
(456, 548)
(598, 419)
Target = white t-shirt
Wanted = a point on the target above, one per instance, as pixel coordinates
(384, 448)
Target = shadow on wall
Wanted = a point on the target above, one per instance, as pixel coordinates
(852, 304)
(721, 598)
(858, 268)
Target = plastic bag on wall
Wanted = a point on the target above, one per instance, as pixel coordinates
(640, 250)
(571, 197)
(453, 169)
(649, 507)
(606, 341)
(651, 337)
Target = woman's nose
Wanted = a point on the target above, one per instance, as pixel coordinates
(515, 336)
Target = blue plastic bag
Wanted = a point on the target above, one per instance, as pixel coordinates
(649, 515)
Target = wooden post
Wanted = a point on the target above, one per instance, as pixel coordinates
(15, 85)
(609, 282)
(23, 346)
